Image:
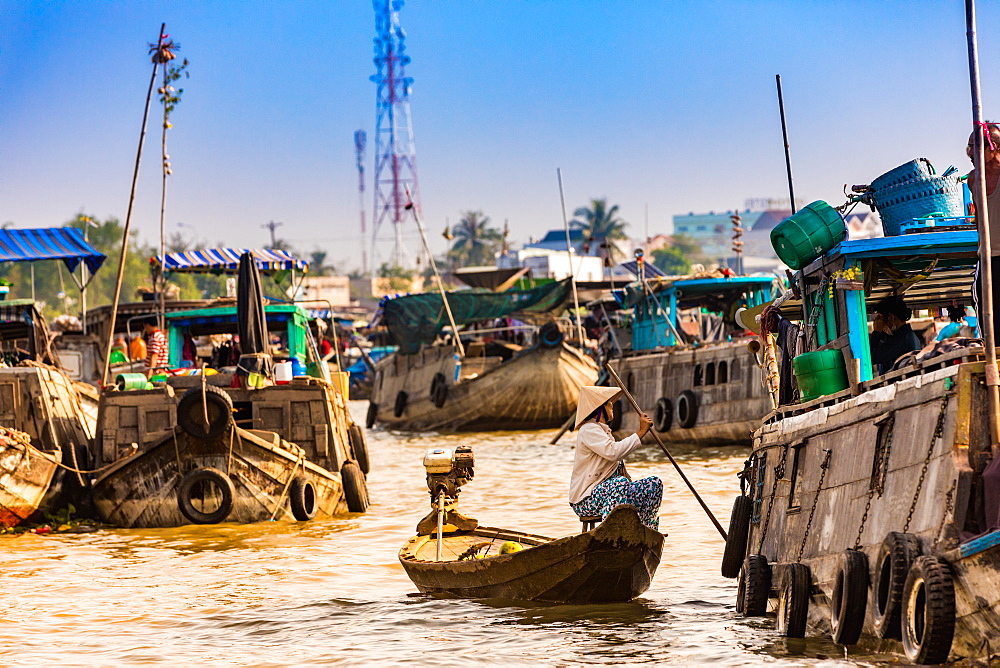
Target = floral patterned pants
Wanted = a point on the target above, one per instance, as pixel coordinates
(645, 495)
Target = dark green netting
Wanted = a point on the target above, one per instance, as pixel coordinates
(415, 320)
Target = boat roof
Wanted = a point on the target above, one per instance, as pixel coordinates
(49, 243)
(227, 261)
(227, 314)
(929, 269)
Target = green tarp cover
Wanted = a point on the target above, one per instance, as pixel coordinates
(415, 320)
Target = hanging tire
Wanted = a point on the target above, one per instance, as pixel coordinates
(400, 405)
(895, 556)
(372, 415)
(439, 390)
(736, 540)
(850, 597)
(663, 416)
(755, 586)
(191, 412)
(928, 612)
(687, 409)
(197, 484)
(549, 335)
(359, 446)
(355, 488)
(615, 423)
(793, 600)
(302, 498)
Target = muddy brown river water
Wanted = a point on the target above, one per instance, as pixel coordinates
(334, 592)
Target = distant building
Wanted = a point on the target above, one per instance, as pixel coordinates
(333, 289)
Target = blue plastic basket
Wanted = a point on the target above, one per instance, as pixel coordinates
(914, 169)
(919, 198)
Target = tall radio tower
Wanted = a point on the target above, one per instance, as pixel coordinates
(395, 155)
(360, 140)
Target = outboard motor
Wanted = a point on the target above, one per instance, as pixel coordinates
(447, 471)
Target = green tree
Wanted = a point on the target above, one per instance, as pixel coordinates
(318, 265)
(476, 243)
(675, 258)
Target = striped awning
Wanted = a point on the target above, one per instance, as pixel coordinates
(227, 261)
(50, 243)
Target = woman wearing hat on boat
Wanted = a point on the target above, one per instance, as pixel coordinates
(600, 483)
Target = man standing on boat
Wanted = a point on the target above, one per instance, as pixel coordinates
(600, 482)
(157, 348)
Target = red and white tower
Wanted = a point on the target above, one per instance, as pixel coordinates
(395, 155)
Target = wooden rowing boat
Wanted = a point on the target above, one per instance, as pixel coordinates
(611, 563)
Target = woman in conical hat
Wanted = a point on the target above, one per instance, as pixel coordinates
(600, 483)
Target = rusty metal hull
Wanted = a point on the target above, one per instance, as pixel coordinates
(906, 454)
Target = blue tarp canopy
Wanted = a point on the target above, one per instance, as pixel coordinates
(50, 243)
(227, 261)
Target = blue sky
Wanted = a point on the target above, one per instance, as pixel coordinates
(665, 105)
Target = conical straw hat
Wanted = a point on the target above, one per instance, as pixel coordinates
(592, 398)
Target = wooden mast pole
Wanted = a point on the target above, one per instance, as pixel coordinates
(980, 133)
(128, 214)
(784, 136)
(430, 257)
(569, 252)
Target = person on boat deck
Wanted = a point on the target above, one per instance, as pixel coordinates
(991, 166)
(157, 349)
(599, 482)
(957, 316)
(891, 336)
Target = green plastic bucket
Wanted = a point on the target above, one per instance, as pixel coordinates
(130, 381)
(820, 372)
(808, 234)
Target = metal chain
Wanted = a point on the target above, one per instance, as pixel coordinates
(824, 467)
(779, 472)
(949, 506)
(938, 428)
(878, 479)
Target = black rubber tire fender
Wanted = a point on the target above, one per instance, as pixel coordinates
(302, 498)
(736, 539)
(191, 412)
(359, 447)
(399, 407)
(439, 390)
(687, 409)
(928, 613)
(549, 335)
(372, 416)
(663, 416)
(185, 497)
(355, 487)
(892, 566)
(850, 597)
(793, 600)
(755, 586)
(618, 413)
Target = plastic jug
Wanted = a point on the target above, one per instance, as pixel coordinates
(283, 373)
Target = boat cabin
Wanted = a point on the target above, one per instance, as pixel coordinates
(658, 305)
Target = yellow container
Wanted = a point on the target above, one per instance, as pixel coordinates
(342, 381)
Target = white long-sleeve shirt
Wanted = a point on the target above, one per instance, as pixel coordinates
(597, 455)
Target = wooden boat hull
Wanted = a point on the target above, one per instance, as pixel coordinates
(835, 456)
(142, 490)
(613, 562)
(537, 389)
(25, 477)
(723, 380)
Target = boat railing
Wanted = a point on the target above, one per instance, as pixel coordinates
(918, 368)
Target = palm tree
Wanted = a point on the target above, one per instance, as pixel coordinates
(601, 226)
(475, 241)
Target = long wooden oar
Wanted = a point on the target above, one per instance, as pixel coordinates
(687, 482)
(564, 429)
